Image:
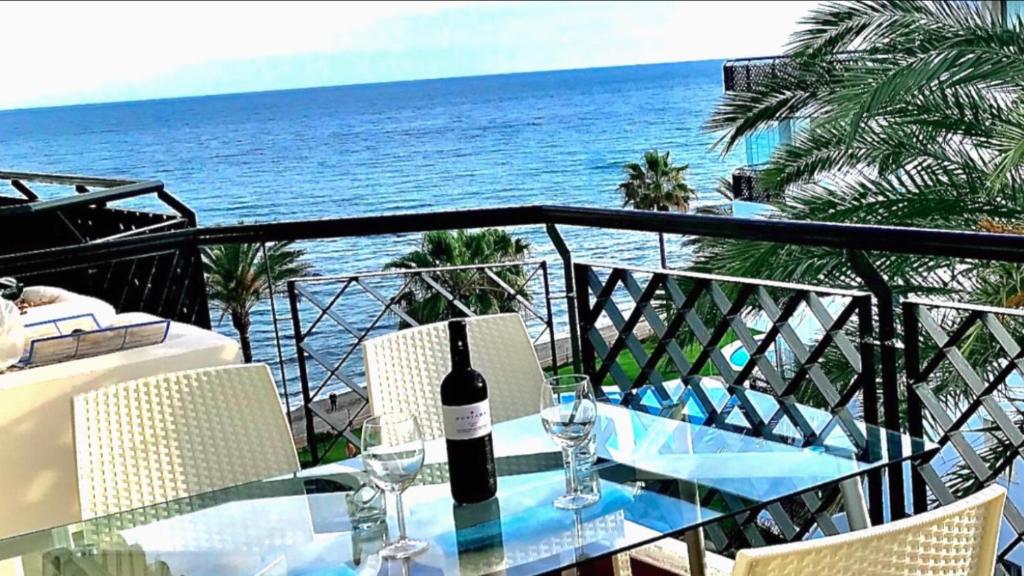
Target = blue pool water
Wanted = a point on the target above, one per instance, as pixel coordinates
(740, 357)
(552, 137)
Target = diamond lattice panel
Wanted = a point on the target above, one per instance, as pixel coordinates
(786, 362)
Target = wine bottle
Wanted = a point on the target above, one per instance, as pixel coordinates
(467, 424)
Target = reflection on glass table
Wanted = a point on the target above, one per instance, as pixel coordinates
(658, 476)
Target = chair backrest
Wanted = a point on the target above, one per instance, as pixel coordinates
(404, 369)
(155, 439)
(956, 539)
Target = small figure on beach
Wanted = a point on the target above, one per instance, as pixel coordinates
(334, 402)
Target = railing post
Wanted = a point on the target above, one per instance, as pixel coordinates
(915, 411)
(588, 357)
(552, 342)
(884, 301)
(869, 393)
(570, 297)
(271, 280)
(197, 285)
(307, 400)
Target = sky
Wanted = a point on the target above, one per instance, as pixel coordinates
(86, 52)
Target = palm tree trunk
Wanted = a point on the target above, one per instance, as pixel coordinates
(661, 242)
(241, 323)
(661, 249)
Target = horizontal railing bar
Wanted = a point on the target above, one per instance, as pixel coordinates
(408, 271)
(81, 184)
(751, 169)
(84, 255)
(65, 179)
(839, 56)
(142, 230)
(87, 199)
(965, 307)
(904, 240)
(754, 59)
(372, 225)
(733, 279)
(919, 241)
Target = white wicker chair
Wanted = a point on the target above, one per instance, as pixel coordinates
(955, 540)
(404, 369)
(155, 439)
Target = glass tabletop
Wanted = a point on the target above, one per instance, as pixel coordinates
(657, 476)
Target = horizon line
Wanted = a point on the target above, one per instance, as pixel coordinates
(330, 86)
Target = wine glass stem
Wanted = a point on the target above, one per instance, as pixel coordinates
(572, 470)
(401, 516)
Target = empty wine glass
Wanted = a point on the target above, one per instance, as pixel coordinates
(392, 456)
(568, 410)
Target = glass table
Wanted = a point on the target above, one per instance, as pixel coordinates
(658, 477)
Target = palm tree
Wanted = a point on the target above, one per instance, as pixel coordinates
(656, 185)
(237, 278)
(440, 249)
(914, 118)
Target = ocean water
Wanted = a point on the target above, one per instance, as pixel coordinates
(550, 137)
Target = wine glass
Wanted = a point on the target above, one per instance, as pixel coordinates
(568, 410)
(392, 456)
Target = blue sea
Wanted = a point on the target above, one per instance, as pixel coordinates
(547, 137)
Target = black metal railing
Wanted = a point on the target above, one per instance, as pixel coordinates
(747, 185)
(746, 74)
(965, 390)
(754, 74)
(79, 212)
(718, 347)
(784, 332)
(897, 353)
(76, 211)
(328, 336)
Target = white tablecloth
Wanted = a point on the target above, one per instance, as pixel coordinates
(38, 478)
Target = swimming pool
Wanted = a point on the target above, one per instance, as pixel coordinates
(739, 357)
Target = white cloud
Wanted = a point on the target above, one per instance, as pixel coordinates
(87, 51)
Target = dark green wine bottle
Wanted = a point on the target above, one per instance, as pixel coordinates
(467, 424)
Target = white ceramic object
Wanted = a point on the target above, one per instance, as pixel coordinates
(54, 303)
(12, 334)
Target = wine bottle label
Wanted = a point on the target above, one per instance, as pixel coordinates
(467, 422)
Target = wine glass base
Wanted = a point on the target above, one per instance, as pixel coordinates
(404, 548)
(576, 501)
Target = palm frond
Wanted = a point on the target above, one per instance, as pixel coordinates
(446, 250)
(656, 184)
